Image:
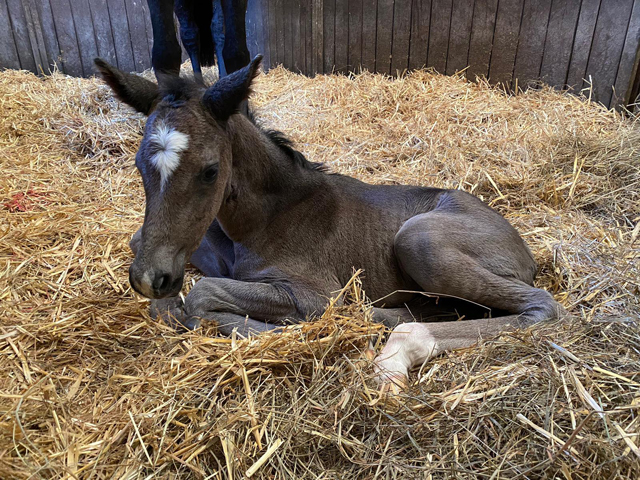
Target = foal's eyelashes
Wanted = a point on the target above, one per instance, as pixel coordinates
(209, 174)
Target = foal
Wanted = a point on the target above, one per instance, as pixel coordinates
(275, 234)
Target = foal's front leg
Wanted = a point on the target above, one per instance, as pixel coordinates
(251, 307)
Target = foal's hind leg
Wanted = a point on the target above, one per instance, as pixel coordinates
(475, 257)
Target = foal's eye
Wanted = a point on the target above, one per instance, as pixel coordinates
(209, 174)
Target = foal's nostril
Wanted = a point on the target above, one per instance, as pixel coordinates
(161, 282)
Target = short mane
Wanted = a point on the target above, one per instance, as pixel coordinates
(282, 142)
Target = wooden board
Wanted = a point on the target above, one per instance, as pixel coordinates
(273, 46)
(318, 37)
(420, 25)
(21, 35)
(355, 34)
(66, 33)
(533, 32)
(280, 41)
(121, 38)
(384, 36)
(484, 22)
(369, 34)
(606, 50)
(582, 43)
(341, 47)
(329, 22)
(505, 41)
(138, 34)
(439, 34)
(559, 42)
(35, 35)
(8, 51)
(45, 15)
(401, 36)
(459, 36)
(307, 13)
(628, 67)
(287, 14)
(84, 34)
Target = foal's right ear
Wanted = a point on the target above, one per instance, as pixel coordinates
(133, 90)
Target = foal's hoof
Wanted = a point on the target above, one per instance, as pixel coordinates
(391, 383)
(171, 312)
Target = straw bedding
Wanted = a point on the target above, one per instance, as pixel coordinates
(92, 388)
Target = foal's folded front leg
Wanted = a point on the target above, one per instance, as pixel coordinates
(251, 307)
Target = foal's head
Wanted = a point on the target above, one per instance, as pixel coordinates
(185, 162)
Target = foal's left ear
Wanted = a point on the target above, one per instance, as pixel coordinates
(224, 97)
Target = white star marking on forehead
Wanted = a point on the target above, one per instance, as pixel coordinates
(169, 144)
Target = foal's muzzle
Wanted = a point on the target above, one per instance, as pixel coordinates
(155, 284)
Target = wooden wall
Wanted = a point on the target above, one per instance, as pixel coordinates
(35, 34)
(513, 42)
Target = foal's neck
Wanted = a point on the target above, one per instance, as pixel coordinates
(264, 181)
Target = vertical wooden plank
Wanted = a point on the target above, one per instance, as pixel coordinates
(582, 43)
(138, 34)
(279, 8)
(318, 36)
(147, 26)
(483, 26)
(66, 34)
(302, 42)
(273, 34)
(288, 40)
(629, 60)
(297, 43)
(533, 32)
(606, 51)
(121, 39)
(401, 36)
(384, 36)
(439, 34)
(266, 34)
(8, 51)
(35, 36)
(369, 34)
(329, 13)
(85, 35)
(31, 9)
(250, 27)
(420, 25)
(21, 35)
(460, 35)
(308, 42)
(342, 36)
(45, 16)
(102, 28)
(559, 42)
(355, 35)
(505, 41)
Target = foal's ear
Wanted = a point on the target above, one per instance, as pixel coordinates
(133, 90)
(224, 97)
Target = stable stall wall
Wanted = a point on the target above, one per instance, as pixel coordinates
(574, 44)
